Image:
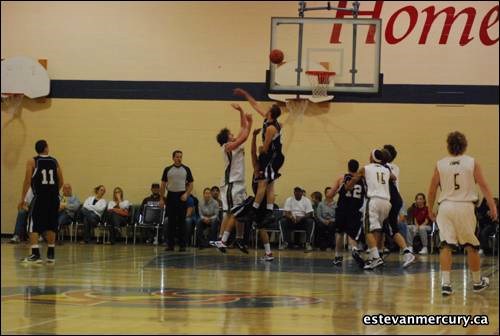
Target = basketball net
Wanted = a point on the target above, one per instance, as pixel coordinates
(320, 81)
(297, 107)
(12, 102)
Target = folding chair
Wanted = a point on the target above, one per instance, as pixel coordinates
(77, 221)
(278, 214)
(152, 218)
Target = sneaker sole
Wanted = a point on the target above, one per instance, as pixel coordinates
(373, 267)
(27, 262)
(446, 293)
(480, 290)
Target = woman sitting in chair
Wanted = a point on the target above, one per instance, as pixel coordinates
(92, 211)
(419, 222)
(118, 211)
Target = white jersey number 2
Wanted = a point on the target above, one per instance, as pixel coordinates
(355, 193)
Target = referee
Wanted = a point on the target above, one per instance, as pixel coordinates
(178, 180)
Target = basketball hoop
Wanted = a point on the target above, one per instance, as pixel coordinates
(12, 102)
(320, 81)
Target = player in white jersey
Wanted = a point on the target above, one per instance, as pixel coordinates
(378, 204)
(457, 175)
(233, 183)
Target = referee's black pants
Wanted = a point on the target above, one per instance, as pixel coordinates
(176, 214)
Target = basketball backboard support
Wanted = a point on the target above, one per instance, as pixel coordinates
(23, 75)
(325, 44)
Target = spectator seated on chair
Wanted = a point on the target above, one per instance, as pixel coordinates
(150, 201)
(419, 223)
(487, 226)
(316, 198)
(92, 212)
(325, 222)
(191, 218)
(209, 218)
(403, 223)
(298, 216)
(20, 233)
(215, 192)
(118, 212)
(68, 206)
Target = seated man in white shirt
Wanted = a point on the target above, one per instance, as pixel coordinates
(298, 215)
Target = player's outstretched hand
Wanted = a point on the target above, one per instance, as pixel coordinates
(240, 92)
(236, 106)
(256, 131)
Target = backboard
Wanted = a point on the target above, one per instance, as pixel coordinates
(348, 47)
(26, 76)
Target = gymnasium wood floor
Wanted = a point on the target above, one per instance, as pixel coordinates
(126, 289)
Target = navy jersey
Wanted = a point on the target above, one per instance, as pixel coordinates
(396, 200)
(45, 180)
(351, 199)
(276, 146)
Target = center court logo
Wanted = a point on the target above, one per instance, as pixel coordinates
(150, 297)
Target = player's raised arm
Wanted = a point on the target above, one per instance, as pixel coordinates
(244, 133)
(251, 100)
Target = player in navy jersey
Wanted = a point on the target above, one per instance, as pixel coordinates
(271, 158)
(44, 175)
(348, 215)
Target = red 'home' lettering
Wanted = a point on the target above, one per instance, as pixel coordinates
(431, 15)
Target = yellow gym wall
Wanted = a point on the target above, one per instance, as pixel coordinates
(129, 142)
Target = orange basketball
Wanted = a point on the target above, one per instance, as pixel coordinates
(276, 56)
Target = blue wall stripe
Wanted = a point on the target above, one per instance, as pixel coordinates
(389, 93)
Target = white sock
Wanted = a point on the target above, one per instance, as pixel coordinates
(267, 247)
(445, 278)
(51, 245)
(225, 236)
(256, 205)
(35, 246)
(374, 253)
(476, 277)
(270, 206)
